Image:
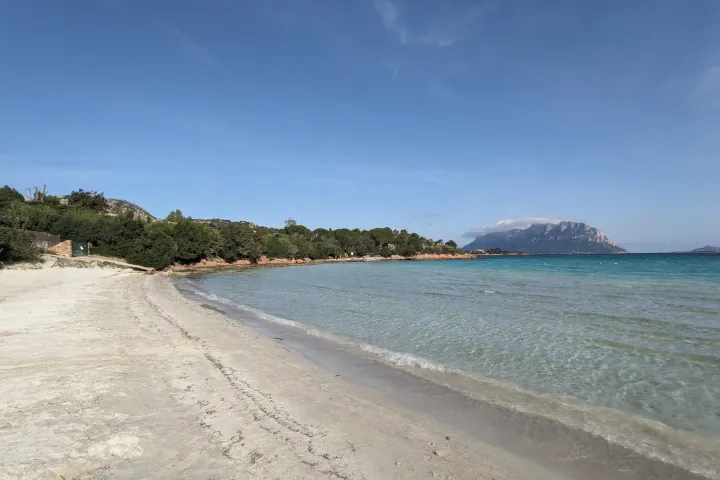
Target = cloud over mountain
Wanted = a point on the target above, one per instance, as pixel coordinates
(507, 225)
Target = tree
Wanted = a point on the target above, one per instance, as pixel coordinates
(88, 200)
(16, 215)
(40, 218)
(182, 239)
(381, 236)
(215, 241)
(346, 239)
(320, 234)
(8, 195)
(273, 248)
(175, 216)
(289, 249)
(292, 228)
(36, 195)
(302, 245)
(78, 225)
(116, 236)
(17, 246)
(155, 248)
(193, 241)
(331, 249)
(364, 246)
(239, 241)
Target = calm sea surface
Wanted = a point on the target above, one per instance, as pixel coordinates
(635, 333)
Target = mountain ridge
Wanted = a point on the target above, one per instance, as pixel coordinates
(560, 237)
(706, 249)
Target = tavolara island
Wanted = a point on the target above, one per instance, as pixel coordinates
(562, 237)
(707, 249)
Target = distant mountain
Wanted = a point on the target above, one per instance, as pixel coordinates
(562, 237)
(707, 249)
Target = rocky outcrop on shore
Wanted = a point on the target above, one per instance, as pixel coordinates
(219, 264)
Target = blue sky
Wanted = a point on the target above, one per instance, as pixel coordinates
(435, 116)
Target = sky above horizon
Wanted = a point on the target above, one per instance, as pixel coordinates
(440, 117)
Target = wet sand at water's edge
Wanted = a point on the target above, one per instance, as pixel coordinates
(106, 374)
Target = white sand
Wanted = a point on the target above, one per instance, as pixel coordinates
(106, 374)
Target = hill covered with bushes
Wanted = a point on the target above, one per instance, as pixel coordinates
(83, 216)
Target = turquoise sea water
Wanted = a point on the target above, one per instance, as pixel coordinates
(635, 333)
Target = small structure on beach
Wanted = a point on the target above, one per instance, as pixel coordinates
(62, 249)
(68, 248)
(43, 240)
(80, 249)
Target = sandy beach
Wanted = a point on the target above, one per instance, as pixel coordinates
(108, 374)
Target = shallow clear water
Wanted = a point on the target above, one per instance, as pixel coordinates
(636, 333)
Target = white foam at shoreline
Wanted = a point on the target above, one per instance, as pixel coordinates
(595, 420)
(403, 359)
(396, 358)
(271, 318)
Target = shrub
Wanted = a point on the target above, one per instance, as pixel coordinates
(77, 225)
(88, 200)
(119, 234)
(273, 248)
(155, 248)
(16, 215)
(17, 246)
(8, 195)
(302, 246)
(239, 240)
(85, 218)
(175, 216)
(193, 241)
(26, 216)
(331, 249)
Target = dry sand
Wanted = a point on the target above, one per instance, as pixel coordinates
(106, 374)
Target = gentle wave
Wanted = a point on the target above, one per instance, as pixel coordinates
(403, 359)
(270, 318)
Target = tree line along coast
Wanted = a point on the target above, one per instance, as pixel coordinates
(138, 238)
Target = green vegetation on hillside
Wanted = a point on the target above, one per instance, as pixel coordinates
(84, 217)
(17, 246)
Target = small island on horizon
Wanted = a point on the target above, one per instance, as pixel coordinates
(706, 249)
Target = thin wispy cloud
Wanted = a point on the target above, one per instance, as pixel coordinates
(444, 28)
(507, 225)
(191, 47)
(710, 82)
(178, 37)
(705, 95)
